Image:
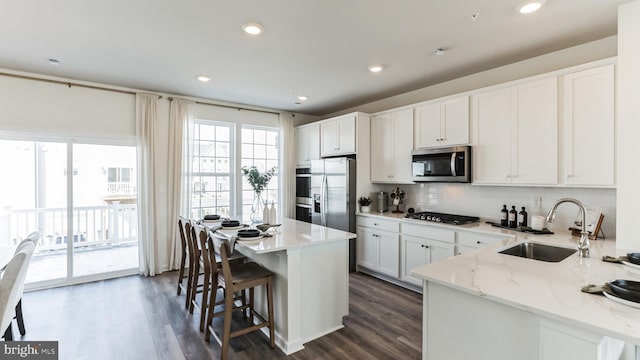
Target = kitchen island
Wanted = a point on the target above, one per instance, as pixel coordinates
(311, 285)
(486, 305)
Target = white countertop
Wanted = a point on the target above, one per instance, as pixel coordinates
(292, 234)
(551, 290)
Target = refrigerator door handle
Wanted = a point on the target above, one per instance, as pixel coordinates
(323, 203)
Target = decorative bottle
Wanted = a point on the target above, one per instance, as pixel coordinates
(504, 216)
(265, 214)
(522, 217)
(272, 214)
(513, 217)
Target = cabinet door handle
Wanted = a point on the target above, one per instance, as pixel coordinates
(375, 224)
(569, 176)
(478, 242)
(426, 246)
(508, 176)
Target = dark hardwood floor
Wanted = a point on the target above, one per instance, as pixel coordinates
(142, 318)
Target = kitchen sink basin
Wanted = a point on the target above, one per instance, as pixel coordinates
(539, 252)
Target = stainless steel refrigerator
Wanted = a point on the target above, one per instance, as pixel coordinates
(333, 192)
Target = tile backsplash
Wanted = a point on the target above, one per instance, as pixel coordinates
(486, 201)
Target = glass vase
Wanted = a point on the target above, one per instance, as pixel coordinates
(256, 208)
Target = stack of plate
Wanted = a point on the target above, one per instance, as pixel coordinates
(624, 291)
(211, 219)
(231, 224)
(249, 234)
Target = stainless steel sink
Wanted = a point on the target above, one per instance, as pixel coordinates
(540, 252)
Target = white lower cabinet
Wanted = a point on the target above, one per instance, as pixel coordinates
(421, 245)
(378, 248)
(560, 342)
(469, 241)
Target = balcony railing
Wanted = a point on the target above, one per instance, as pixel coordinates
(92, 225)
(121, 188)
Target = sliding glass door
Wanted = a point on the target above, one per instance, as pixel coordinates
(82, 199)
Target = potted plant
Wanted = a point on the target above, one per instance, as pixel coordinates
(258, 183)
(365, 204)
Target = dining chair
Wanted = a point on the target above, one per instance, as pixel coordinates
(12, 287)
(32, 238)
(235, 278)
(193, 278)
(183, 258)
(204, 263)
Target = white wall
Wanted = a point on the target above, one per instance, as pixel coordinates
(31, 109)
(57, 109)
(486, 201)
(628, 126)
(595, 50)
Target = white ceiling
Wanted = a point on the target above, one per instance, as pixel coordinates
(318, 48)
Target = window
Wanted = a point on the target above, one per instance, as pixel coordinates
(211, 183)
(217, 185)
(259, 148)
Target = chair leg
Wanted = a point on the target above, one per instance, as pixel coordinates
(205, 297)
(270, 309)
(194, 284)
(251, 302)
(212, 307)
(187, 301)
(8, 334)
(181, 273)
(226, 334)
(244, 304)
(19, 318)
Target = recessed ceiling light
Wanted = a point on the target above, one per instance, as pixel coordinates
(302, 97)
(252, 28)
(53, 61)
(204, 78)
(440, 51)
(375, 68)
(530, 6)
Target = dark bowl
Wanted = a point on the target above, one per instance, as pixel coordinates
(245, 233)
(634, 258)
(626, 289)
(212, 217)
(230, 223)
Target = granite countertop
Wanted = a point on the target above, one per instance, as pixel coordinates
(292, 234)
(551, 290)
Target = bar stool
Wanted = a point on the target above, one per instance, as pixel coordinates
(193, 275)
(183, 257)
(235, 278)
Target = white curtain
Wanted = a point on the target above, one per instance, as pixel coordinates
(287, 162)
(148, 212)
(181, 127)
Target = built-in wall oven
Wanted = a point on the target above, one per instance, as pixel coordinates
(304, 202)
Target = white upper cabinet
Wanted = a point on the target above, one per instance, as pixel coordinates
(442, 123)
(338, 136)
(391, 147)
(307, 142)
(515, 137)
(587, 119)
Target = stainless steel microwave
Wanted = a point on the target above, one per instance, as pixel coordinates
(452, 164)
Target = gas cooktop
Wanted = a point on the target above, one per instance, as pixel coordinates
(443, 218)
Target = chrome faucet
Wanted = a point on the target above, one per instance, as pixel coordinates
(583, 245)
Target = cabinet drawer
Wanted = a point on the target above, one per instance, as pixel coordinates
(477, 240)
(429, 232)
(382, 224)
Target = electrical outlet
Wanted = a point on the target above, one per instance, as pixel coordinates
(536, 202)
